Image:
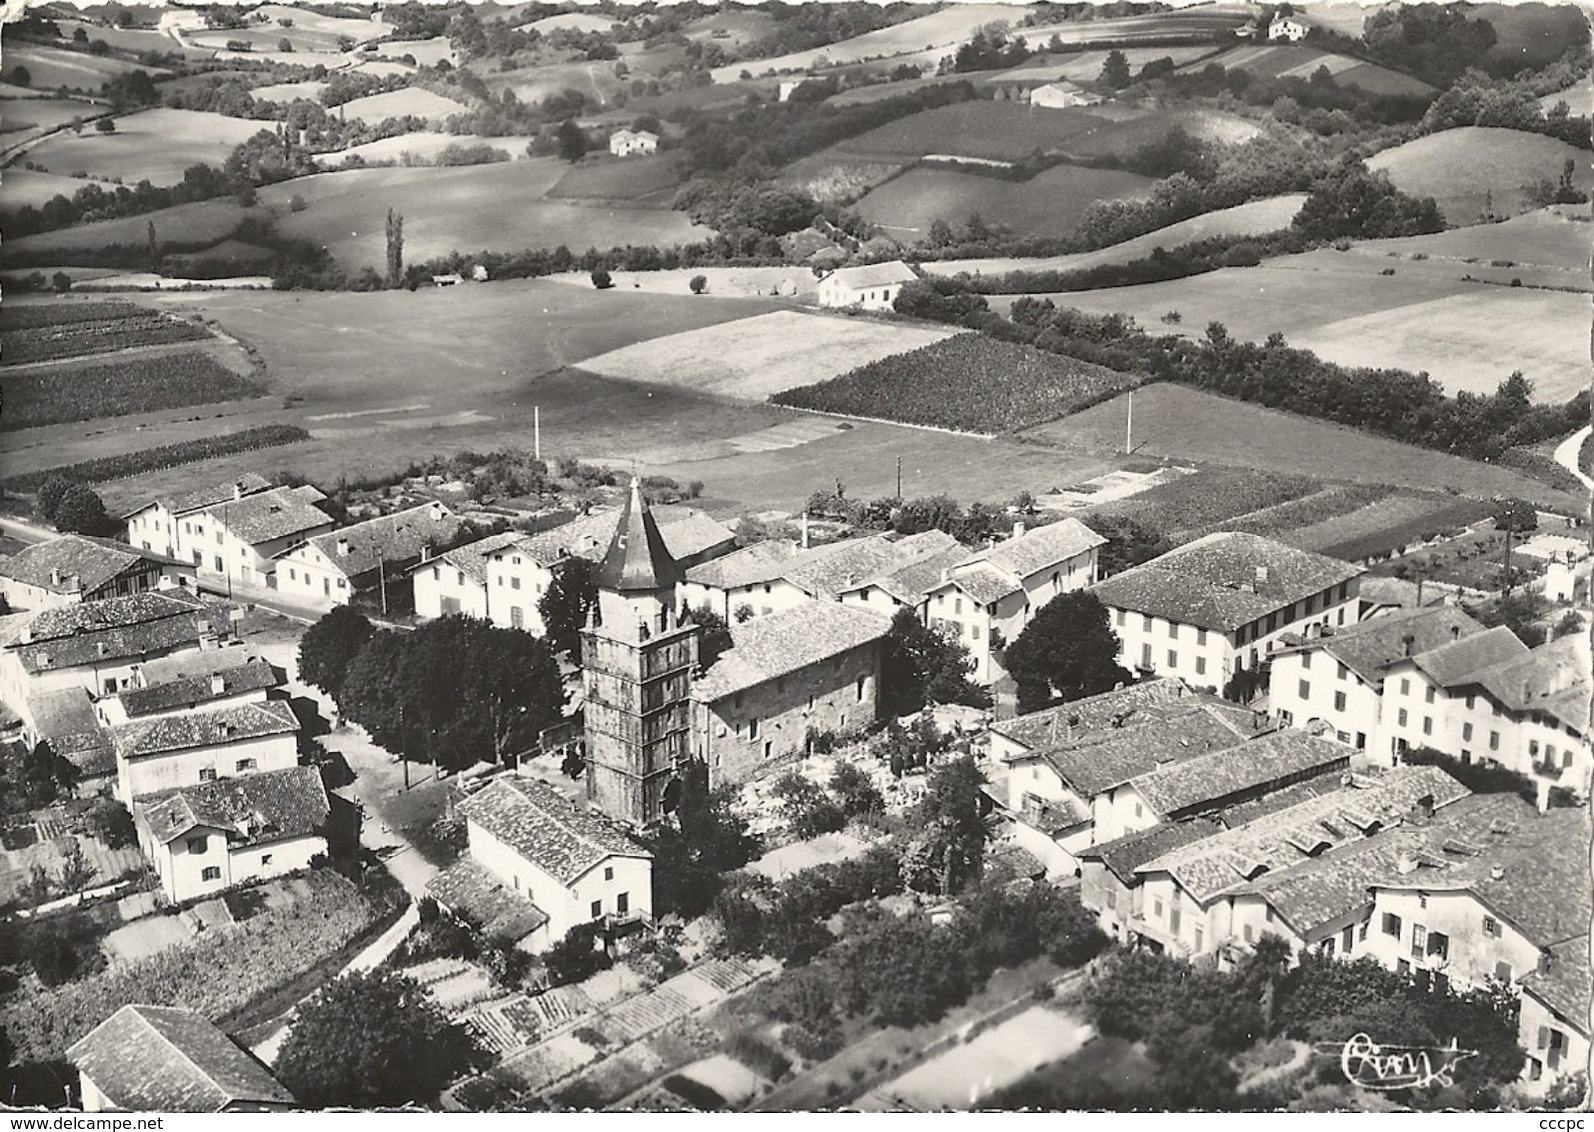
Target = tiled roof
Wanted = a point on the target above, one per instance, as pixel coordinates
(1233, 859)
(637, 560)
(844, 566)
(67, 719)
(472, 558)
(1213, 777)
(1110, 758)
(89, 562)
(195, 729)
(1243, 813)
(252, 809)
(200, 662)
(985, 584)
(269, 515)
(1379, 589)
(1057, 725)
(874, 275)
(1370, 647)
(246, 484)
(1212, 582)
(191, 691)
(1554, 677)
(687, 532)
(749, 566)
(166, 1059)
(1041, 548)
(115, 629)
(767, 647)
(1564, 988)
(909, 584)
(546, 828)
(387, 538)
(468, 889)
(1452, 664)
(1123, 855)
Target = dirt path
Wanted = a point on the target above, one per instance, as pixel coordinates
(1299, 1054)
(1566, 454)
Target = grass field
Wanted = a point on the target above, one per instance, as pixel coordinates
(207, 221)
(1460, 167)
(427, 145)
(1341, 305)
(1386, 524)
(752, 358)
(833, 176)
(1548, 237)
(374, 108)
(76, 70)
(1129, 131)
(1085, 66)
(1531, 35)
(1273, 61)
(1002, 131)
(1579, 97)
(18, 114)
(1251, 219)
(573, 21)
(946, 28)
(636, 180)
(534, 83)
(732, 27)
(1184, 423)
(121, 39)
(381, 68)
(156, 145)
(305, 20)
(286, 92)
(1049, 204)
(426, 52)
(1199, 24)
(19, 187)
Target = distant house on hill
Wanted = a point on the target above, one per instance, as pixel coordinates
(873, 287)
(1283, 27)
(624, 143)
(78, 568)
(1062, 94)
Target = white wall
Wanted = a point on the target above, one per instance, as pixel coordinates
(1460, 916)
(1537, 1028)
(150, 773)
(307, 573)
(181, 862)
(1327, 684)
(438, 580)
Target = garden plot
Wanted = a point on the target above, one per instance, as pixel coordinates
(752, 358)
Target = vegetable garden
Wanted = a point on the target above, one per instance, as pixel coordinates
(968, 383)
(1388, 526)
(62, 394)
(119, 330)
(1193, 505)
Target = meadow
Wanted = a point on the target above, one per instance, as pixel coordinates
(286, 92)
(1579, 97)
(1252, 219)
(1001, 131)
(1190, 424)
(18, 114)
(1130, 129)
(1199, 24)
(1286, 61)
(24, 187)
(573, 21)
(1555, 237)
(753, 358)
(414, 101)
(425, 52)
(1533, 34)
(639, 181)
(154, 145)
(119, 39)
(424, 145)
(1049, 204)
(1085, 66)
(1464, 168)
(201, 222)
(52, 67)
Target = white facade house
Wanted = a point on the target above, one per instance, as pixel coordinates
(986, 600)
(1062, 94)
(206, 838)
(872, 287)
(370, 557)
(1223, 603)
(1288, 29)
(167, 752)
(539, 865)
(1553, 1025)
(627, 143)
(227, 678)
(78, 568)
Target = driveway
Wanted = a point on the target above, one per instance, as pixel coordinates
(1567, 451)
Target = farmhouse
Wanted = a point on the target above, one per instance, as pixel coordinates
(1062, 94)
(1108, 883)
(1335, 683)
(370, 558)
(1223, 604)
(66, 719)
(168, 751)
(98, 645)
(78, 568)
(1286, 28)
(988, 598)
(873, 287)
(1553, 1025)
(206, 838)
(538, 866)
(167, 1059)
(156, 525)
(243, 679)
(624, 143)
(908, 585)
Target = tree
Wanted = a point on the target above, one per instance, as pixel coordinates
(329, 646)
(919, 665)
(1515, 515)
(112, 823)
(395, 248)
(715, 638)
(566, 604)
(576, 956)
(61, 281)
(21, 76)
(570, 141)
(81, 511)
(1115, 70)
(698, 284)
(855, 790)
(808, 810)
(601, 279)
(1068, 650)
(948, 854)
(1129, 543)
(373, 1039)
(707, 838)
(105, 125)
(50, 495)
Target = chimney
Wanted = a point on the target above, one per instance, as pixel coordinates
(101, 648)
(1261, 575)
(1496, 872)
(238, 490)
(426, 552)
(343, 547)
(226, 729)
(805, 530)
(1406, 644)
(218, 683)
(436, 511)
(1018, 529)
(1425, 806)
(55, 576)
(1405, 864)
(43, 659)
(1347, 779)
(74, 584)
(1455, 632)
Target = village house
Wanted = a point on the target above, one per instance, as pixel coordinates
(98, 645)
(1062, 94)
(371, 558)
(538, 865)
(240, 678)
(205, 838)
(505, 577)
(985, 601)
(1108, 883)
(1012, 739)
(744, 579)
(77, 568)
(1224, 603)
(1288, 29)
(1334, 684)
(1553, 1025)
(785, 679)
(157, 526)
(167, 751)
(626, 143)
(1417, 691)
(67, 720)
(168, 1059)
(872, 287)
(906, 586)
(1381, 595)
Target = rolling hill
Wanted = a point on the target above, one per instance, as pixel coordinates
(1273, 61)
(1464, 167)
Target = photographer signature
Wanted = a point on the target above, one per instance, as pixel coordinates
(1386, 1067)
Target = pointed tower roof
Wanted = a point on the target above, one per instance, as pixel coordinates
(637, 558)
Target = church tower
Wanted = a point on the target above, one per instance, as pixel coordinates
(638, 660)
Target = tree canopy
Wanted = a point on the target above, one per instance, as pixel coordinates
(1068, 650)
(948, 853)
(565, 605)
(706, 839)
(372, 1039)
(329, 646)
(919, 665)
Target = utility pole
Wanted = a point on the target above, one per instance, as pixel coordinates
(536, 431)
(404, 742)
(899, 479)
(1129, 424)
(381, 581)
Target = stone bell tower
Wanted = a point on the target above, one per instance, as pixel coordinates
(638, 660)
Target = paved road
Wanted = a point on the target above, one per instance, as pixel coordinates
(1566, 454)
(26, 532)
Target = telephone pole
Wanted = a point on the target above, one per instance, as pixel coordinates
(536, 431)
(899, 479)
(1129, 424)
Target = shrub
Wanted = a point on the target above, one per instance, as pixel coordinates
(576, 956)
(601, 279)
(694, 1093)
(698, 284)
(758, 1055)
(808, 809)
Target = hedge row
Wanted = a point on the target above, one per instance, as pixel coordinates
(159, 459)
